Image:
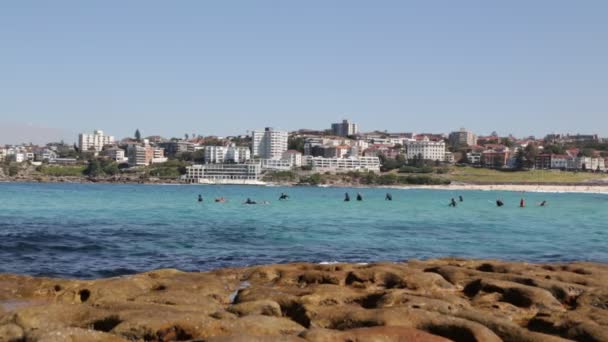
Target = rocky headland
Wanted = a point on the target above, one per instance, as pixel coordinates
(434, 300)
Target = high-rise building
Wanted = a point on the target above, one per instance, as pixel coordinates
(344, 128)
(95, 141)
(269, 144)
(462, 138)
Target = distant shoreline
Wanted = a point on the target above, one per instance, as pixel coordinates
(515, 187)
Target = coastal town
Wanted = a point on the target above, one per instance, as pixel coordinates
(303, 156)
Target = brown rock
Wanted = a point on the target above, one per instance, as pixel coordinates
(258, 307)
(11, 333)
(433, 300)
(375, 334)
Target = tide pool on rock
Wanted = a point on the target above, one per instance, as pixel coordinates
(99, 230)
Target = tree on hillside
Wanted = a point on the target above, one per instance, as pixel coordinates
(296, 143)
(94, 169)
(587, 152)
(554, 149)
(520, 159)
(137, 135)
(507, 142)
(531, 151)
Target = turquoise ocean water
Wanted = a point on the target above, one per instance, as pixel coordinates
(95, 230)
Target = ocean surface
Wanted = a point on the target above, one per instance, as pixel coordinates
(101, 230)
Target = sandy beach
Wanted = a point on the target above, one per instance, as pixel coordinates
(582, 188)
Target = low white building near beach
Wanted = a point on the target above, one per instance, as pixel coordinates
(222, 173)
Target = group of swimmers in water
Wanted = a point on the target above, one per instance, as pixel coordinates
(499, 202)
(387, 197)
(283, 197)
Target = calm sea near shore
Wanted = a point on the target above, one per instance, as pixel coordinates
(98, 230)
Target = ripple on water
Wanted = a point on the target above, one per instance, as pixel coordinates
(105, 230)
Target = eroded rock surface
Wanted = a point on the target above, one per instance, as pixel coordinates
(434, 300)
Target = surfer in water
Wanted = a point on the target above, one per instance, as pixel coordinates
(283, 196)
(249, 201)
(460, 198)
(200, 198)
(388, 197)
(452, 202)
(543, 203)
(499, 203)
(346, 197)
(359, 197)
(220, 200)
(522, 203)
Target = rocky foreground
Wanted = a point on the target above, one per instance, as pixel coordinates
(435, 300)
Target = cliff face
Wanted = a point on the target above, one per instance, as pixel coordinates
(435, 300)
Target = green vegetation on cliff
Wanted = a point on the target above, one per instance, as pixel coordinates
(61, 171)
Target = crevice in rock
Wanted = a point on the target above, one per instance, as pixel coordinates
(351, 278)
(106, 324)
(84, 295)
(393, 281)
(159, 287)
(517, 298)
(455, 333)
(370, 301)
(297, 313)
(174, 333)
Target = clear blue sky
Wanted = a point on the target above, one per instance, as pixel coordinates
(225, 67)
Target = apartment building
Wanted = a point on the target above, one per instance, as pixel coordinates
(225, 154)
(143, 155)
(293, 157)
(344, 128)
(463, 137)
(94, 142)
(175, 147)
(426, 149)
(116, 154)
(269, 144)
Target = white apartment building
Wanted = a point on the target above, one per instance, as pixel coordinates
(222, 154)
(222, 172)
(294, 157)
(45, 154)
(344, 164)
(95, 141)
(139, 155)
(3, 153)
(269, 144)
(462, 138)
(427, 149)
(117, 155)
(590, 163)
(19, 157)
(344, 128)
